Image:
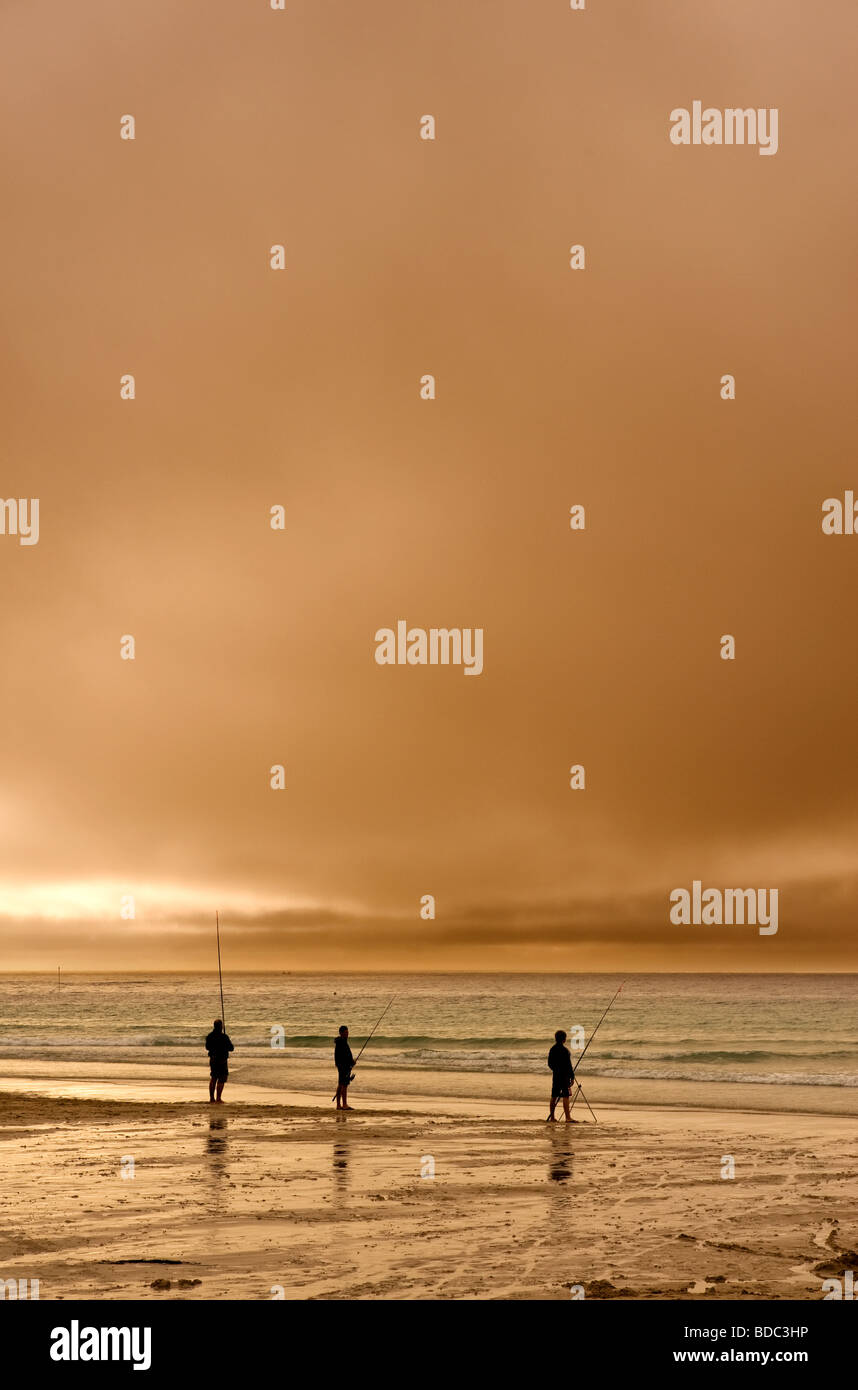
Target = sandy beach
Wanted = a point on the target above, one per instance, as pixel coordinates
(274, 1195)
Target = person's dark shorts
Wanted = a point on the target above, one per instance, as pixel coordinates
(560, 1089)
(220, 1071)
(344, 1077)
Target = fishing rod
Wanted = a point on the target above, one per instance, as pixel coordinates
(599, 1024)
(589, 1040)
(360, 1054)
(219, 971)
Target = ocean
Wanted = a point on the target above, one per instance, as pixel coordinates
(737, 1030)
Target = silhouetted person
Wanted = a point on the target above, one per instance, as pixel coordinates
(218, 1046)
(562, 1074)
(343, 1061)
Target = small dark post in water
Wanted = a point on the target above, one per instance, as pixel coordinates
(58, 976)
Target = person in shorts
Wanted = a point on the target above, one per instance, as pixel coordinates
(218, 1046)
(562, 1074)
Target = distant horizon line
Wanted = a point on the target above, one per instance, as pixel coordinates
(626, 975)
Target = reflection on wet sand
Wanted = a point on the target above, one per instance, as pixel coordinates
(216, 1145)
(561, 1158)
(340, 1155)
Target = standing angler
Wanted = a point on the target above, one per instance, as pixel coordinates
(343, 1061)
(218, 1046)
(562, 1074)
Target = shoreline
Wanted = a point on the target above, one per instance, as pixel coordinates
(301, 1105)
(513, 1095)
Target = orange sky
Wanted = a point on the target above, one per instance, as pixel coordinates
(301, 388)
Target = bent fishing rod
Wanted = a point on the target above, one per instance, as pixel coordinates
(360, 1054)
(589, 1040)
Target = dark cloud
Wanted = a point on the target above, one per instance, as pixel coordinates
(301, 388)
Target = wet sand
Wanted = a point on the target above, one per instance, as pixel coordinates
(248, 1199)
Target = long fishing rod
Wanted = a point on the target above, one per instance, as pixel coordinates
(589, 1040)
(219, 971)
(598, 1025)
(360, 1054)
